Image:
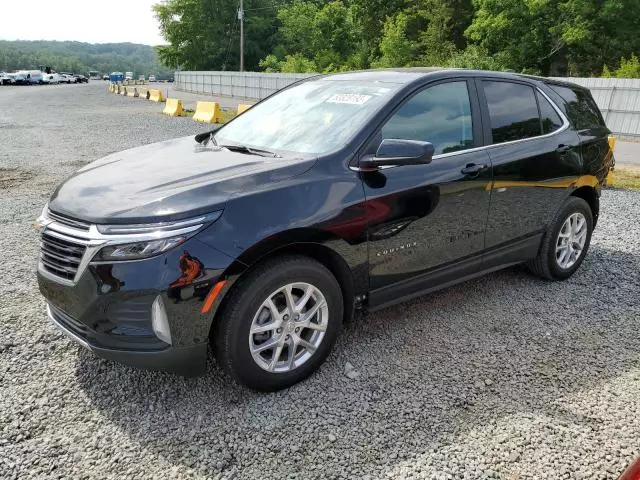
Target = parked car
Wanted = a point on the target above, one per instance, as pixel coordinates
(152, 78)
(105, 77)
(6, 78)
(339, 193)
(66, 77)
(19, 78)
(51, 78)
(81, 79)
(33, 77)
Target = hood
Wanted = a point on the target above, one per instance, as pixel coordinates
(167, 181)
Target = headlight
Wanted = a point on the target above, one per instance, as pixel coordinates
(134, 251)
(137, 241)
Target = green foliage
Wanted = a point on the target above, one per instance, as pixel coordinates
(628, 68)
(203, 34)
(79, 57)
(477, 58)
(396, 49)
(549, 37)
(297, 63)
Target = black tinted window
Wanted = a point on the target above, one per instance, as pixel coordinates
(581, 108)
(551, 121)
(513, 111)
(440, 114)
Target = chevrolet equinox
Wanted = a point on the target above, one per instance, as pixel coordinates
(338, 193)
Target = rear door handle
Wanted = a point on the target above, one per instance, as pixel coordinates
(563, 148)
(472, 169)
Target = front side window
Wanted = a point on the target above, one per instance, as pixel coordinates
(314, 117)
(440, 114)
(513, 111)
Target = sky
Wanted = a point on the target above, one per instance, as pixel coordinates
(92, 21)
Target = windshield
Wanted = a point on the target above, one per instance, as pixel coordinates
(314, 117)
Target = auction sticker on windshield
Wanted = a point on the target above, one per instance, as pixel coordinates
(350, 98)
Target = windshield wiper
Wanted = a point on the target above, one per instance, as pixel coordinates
(207, 137)
(250, 150)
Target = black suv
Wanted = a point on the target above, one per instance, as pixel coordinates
(338, 193)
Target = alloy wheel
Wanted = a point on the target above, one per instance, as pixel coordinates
(571, 240)
(288, 327)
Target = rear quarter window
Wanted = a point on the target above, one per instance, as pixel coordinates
(581, 108)
(551, 121)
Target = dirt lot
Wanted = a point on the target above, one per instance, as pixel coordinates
(504, 377)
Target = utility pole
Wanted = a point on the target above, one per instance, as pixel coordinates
(241, 18)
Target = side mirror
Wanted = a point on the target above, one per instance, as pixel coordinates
(395, 151)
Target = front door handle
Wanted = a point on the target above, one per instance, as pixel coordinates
(472, 169)
(562, 149)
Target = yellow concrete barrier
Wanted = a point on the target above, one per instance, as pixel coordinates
(123, 91)
(208, 112)
(173, 107)
(132, 92)
(243, 107)
(143, 93)
(156, 95)
(611, 179)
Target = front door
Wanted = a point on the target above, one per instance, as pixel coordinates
(421, 217)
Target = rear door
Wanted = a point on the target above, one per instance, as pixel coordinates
(535, 157)
(586, 119)
(421, 217)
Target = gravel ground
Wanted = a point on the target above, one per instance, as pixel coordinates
(502, 377)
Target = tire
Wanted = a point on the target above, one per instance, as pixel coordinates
(245, 309)
(547, 264)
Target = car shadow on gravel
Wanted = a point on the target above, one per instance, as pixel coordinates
(430, 371)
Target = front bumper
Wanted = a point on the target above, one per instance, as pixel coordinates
(109, 308)
(186, 361)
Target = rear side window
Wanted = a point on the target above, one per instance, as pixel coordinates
(440, 114)
(581, 108)
(551, 121)
(513, 111)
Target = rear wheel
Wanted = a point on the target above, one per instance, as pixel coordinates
(566, 243)
(279, 323)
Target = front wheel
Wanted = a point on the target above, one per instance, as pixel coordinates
(279, 323)
(566, 242)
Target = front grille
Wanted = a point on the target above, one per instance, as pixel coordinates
(68, 221)
(60, 257)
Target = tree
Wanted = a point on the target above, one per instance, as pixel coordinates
(550, 37)
(628, 69)
(204, 34)
(556, 37)
(395, 47)
(79, 57)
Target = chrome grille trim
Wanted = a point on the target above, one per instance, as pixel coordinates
(61, 256)
(66, 249)
(71, 222)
